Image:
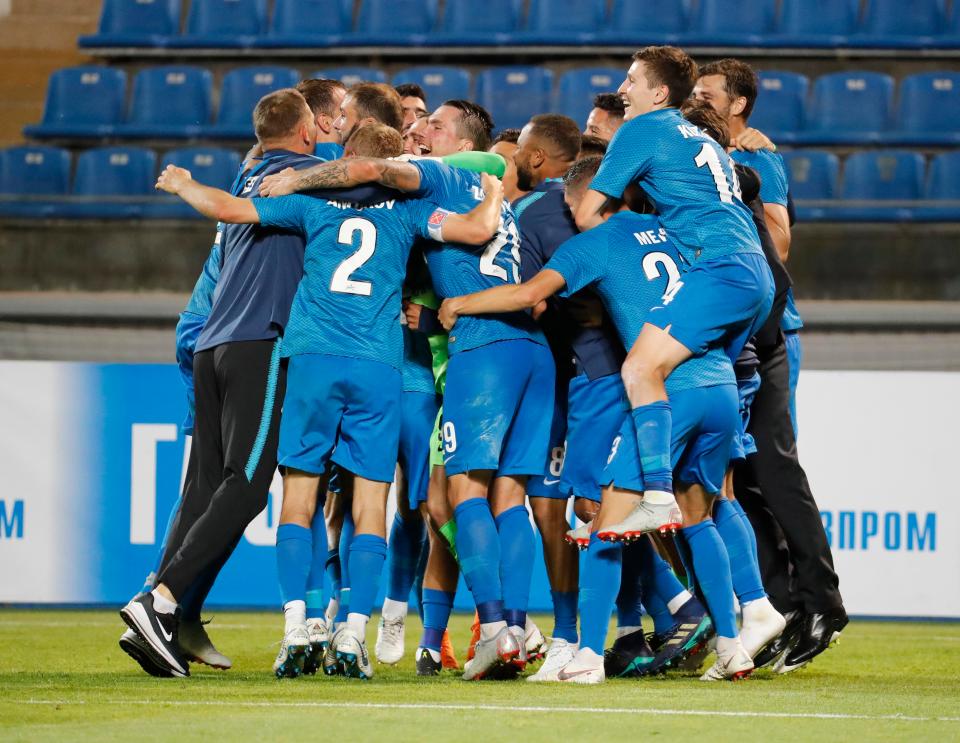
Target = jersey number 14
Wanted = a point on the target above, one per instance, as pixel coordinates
(726, 189)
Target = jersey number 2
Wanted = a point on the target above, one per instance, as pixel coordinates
(650, 261)
(341, 281)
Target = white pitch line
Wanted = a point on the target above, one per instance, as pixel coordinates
(497, 708)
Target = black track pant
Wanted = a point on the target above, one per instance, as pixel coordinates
(795, 560)
(239, 390)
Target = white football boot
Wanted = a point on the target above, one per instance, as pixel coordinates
(645, 518)
(196, 645)
(733, 663)
(351, 653)
(500, 650)
(391, 635)
(560, 654)
(585, 668)
(293, 651)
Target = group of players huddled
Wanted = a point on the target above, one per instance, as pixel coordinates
(552, 315)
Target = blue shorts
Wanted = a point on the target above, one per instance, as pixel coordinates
(743, 443)
(720, 302)
(547, 483)
(705, 422)
(342, 410)
(794, 359)
(595, 412)
(497, 408)
(418, 414)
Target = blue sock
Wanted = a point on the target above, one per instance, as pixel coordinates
(630, 598)
(654, 423)
(712, 566)
(437, 606)
(294, 548)
(406, 541)
(332, 568)
(743, 567)
(599, 585)
(662, 582)
(686, 559)
(420, 570)
(565, 615)
(478, 546)
(315, 603)
(368, 552)
(748, 526)
(517, 550)
(346, 539)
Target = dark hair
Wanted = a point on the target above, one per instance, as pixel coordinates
(581, 170)
(739, 80)
(319, 93)
(410, 90)
(670, 66)
(591, 146)
(561, 131)
(475, 123)
(278, 114)
(375, 140)
(612, 103)
(378, 101)
(507, 135)
(703, 115)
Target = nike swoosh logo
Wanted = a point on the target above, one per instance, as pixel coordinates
(166, 635)
(550, 482)
(447, 459)
(564, 675)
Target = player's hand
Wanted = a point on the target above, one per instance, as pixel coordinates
(538, 309)
(449, 313)
(752, 140)
(279, 184)
(492, 184)
(411, 313)
(173, 179)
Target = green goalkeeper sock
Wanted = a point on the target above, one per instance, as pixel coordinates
(449, 532)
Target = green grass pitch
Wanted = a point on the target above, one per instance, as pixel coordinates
(62, 677)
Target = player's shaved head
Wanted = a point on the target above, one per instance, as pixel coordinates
(703, 115)
(283, 115)
(374, 140)
(669, 66)
(560, 134)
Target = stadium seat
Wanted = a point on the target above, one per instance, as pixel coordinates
(439, 83)
(352, 75)
(27, 175)
(849, 108)
(126, 172)
(883, 174)
(212, 166)
(461, 24)
(650, 22)
(929, 109)
(135, 23)
(228, 24)
(393, 22)
(815, 23)
(241, 90)
(563, 22)
(731, 22)
(813, 174)
(781, 103)
(512, 94)
(84, 101)
(943, 181)
(894, 23)
(307, 23)
(170, 101)
(577, 88)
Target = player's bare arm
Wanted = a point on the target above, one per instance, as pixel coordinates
(480, 224)
(778, 223)
(505, 298)
(344, 173)
(590, 209)
(210, 202)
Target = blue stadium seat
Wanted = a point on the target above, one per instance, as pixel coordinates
(307, 23)
(352, 75)
(895, 23)
(439, 83)
(393, 22)
(84, 101)
(227, 24)
(212, 166)
(461, 24)
(241, 90)
(105, 172)
(816, 23)
(883, 175)
(170, 101)
(781, 104)
(849, 108)
(732, 22)
(32, 172)
(577, 88)
(943, 181)
(813, 174)
(650, 22)
(563, 22)
(512, 94)
(135, 23)
(929, 109)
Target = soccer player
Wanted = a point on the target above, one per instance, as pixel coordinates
(606, 116)
(413, 137)
(591, 146)
(505, 144)
(413, 102)
(726, 289)
(324, 96)
(367, 103)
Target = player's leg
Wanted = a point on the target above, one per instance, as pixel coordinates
(794, 347)
(332, 519)
(439, 586)
(318, 628)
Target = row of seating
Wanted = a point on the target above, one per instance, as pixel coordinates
(118, 182)
(176, 101)
(312, 23)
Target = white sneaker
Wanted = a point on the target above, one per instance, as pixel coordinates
(645, 518)
(534, 643)
(585, 668)
(351, 653)
(559, 655)
(579, 537)
(501, 649)
(762, 624)
(733, 665)
(293, 651)
(390, 639)
(319, 633)
(196, 645)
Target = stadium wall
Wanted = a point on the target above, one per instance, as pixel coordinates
(93, 460)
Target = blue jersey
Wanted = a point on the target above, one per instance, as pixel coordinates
(463, 269)
(348, 303)
(690, 180)
(328, 150)
(417, 363)
(632, 264)
(545, 223)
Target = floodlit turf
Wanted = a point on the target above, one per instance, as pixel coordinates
(62, 677)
